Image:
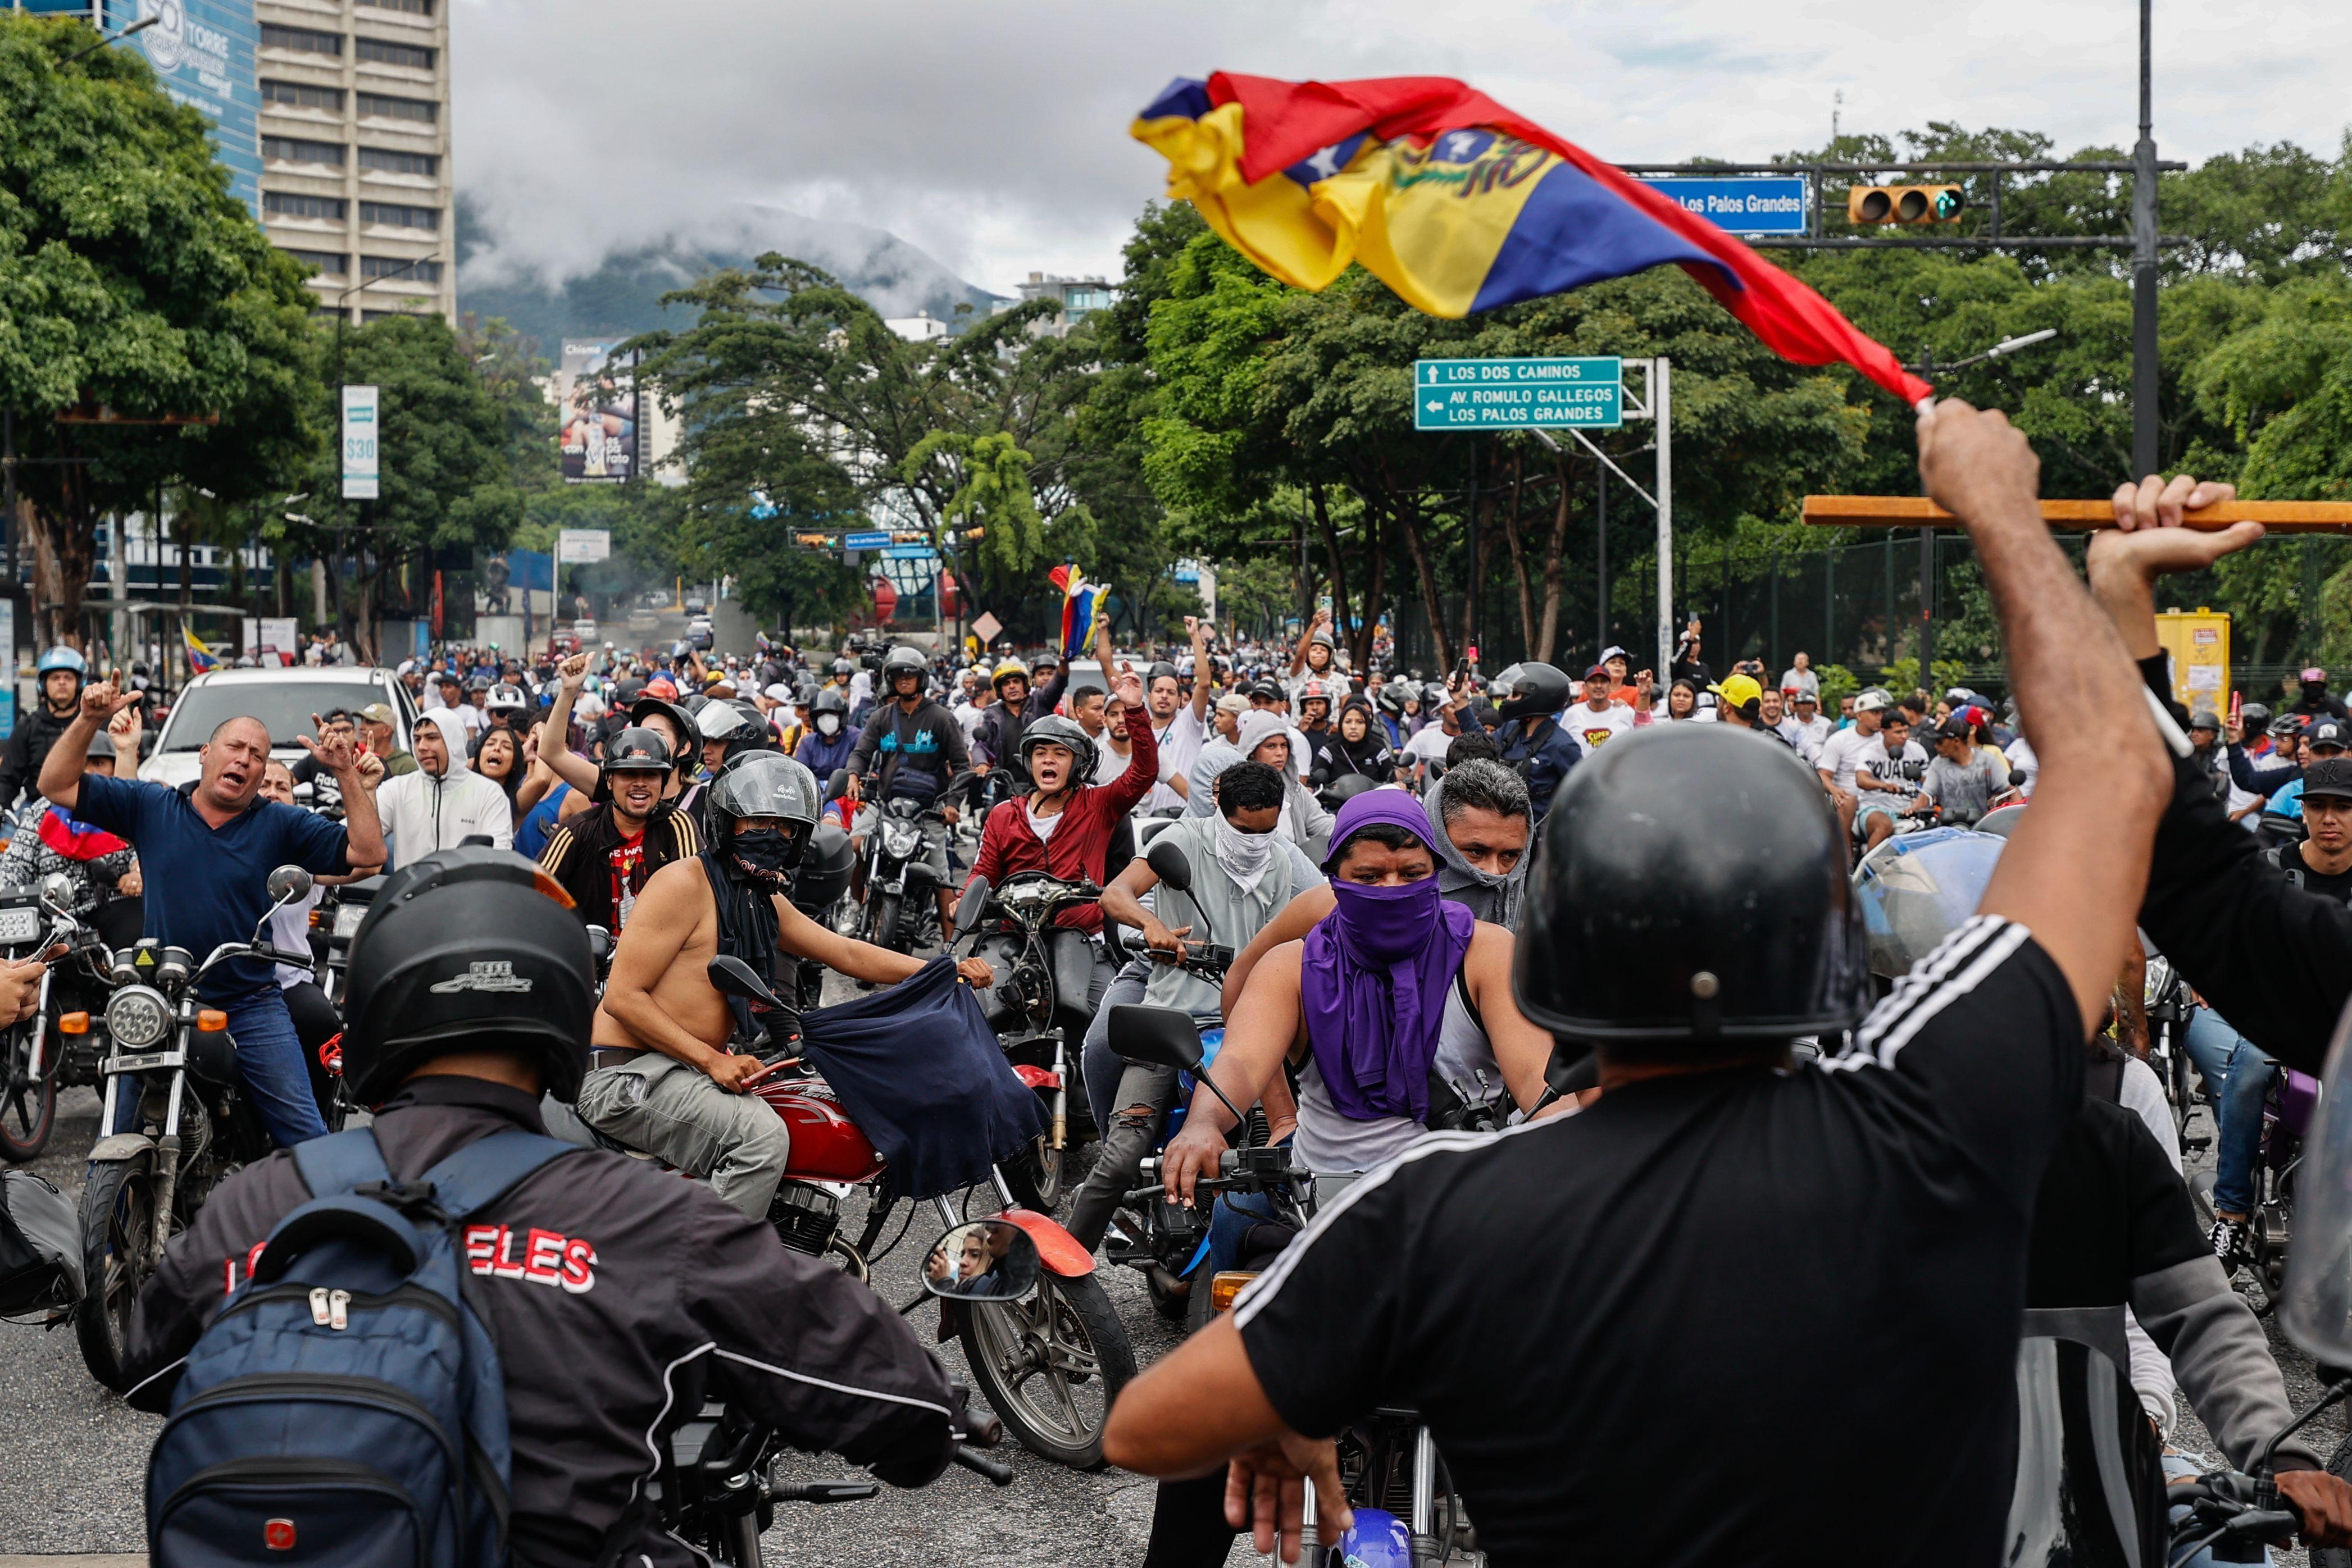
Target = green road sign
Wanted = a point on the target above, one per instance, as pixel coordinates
(1512, 395)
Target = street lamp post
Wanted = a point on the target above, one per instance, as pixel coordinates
(2143, 378)
(342, 319)
(1926, 369)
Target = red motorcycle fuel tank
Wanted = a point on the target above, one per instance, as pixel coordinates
(827, 1145)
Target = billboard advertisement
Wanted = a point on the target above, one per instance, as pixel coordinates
(596, 415)
(203, 53)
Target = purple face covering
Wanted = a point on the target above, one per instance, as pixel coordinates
(1374, 974)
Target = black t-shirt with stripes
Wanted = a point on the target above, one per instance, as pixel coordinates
(1752, 1316)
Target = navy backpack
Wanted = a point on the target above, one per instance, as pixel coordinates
(347, 1407)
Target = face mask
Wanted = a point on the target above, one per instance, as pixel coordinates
(828, 725)
(1245, 857)
(1384, 924)
(761, 853)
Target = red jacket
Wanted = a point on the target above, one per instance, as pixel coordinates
(1008, 844)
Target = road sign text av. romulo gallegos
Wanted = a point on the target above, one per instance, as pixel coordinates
(1513, 394)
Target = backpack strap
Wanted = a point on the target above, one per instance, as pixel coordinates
(341, 1161)
(487, 1169)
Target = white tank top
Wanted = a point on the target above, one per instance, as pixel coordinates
(1327, 1141)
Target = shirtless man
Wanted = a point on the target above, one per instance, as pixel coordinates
(665, 1076)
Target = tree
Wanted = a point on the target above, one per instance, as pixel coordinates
(446, 480)
(131, 281)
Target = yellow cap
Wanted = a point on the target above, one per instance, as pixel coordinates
(1738, 690)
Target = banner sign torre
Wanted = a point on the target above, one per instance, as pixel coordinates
(203, 53)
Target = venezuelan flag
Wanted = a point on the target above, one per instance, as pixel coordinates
(201, 659)
(1459, 206)
(1081, 602)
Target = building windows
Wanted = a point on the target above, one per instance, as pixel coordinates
(303, 40)
(367, 316)
(328, 263)
(301, 94)
(391, 163)
(414, 7)
(287, 205)
(382, 52)
(398, 266)
(1084, 299)
(377, 105)
(394, 216)
(294, 150)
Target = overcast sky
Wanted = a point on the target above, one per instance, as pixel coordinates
(993, 135)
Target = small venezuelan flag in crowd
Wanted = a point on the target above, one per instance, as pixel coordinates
(1081, 602)
(1459, 206)
(200, 658)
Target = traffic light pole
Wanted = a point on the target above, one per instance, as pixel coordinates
(2144, 245)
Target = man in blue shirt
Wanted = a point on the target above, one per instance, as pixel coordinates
(206, 849)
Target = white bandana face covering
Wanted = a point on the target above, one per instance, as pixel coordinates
(1243, 856)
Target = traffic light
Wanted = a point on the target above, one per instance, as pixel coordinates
(1904, 205)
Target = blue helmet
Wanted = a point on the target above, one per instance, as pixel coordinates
(61, 658)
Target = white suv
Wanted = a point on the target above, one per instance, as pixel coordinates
(284, 699)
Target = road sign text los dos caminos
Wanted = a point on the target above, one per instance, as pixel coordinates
(1513, 395)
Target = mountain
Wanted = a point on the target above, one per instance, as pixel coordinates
(622, 295)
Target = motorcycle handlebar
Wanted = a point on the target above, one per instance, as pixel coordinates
(997, 1471)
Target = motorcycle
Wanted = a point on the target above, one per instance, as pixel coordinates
(901, 897)
(194, 1125)
(36, 1057)
(2287, 1109)
(1038, 1009)
(1049, 1361)
(716, 1489)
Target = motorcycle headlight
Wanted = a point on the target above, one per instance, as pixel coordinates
(900, 840)
(138, 1018)
(2159, 980)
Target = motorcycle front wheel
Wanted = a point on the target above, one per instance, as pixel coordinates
(882, 916)
(29, 1099)
(118, 1239)
(1051, 1365)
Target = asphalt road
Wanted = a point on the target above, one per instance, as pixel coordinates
(72, 1456)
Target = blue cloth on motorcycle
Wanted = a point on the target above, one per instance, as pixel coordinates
(918, 1069)
(1374, 973)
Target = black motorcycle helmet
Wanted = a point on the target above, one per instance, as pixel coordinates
(1163, 670)
(764, 784)
(831, 700)
(462, 949)
(1532, 691)
(901, 662)
(677, 715)
(1056, 730)
(637, 750)
(1690, 889)
(2255, 718)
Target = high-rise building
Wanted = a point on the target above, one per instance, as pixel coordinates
(1075, 299)
(354, 132)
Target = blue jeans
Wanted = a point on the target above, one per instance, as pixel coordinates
(1230, 1221)
(2237, 1075)
(270, 1060)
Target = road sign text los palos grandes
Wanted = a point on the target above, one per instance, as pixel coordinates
(1513, 394)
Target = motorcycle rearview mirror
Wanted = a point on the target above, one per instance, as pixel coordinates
(730, 976)
(1162, 1036)
(288, 885)
(58, 892)
(836, 784)
(985, 1261)
(2316, 1308)
(970, 906)
(1169, 865)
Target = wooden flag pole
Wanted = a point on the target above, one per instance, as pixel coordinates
(1917, 512)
